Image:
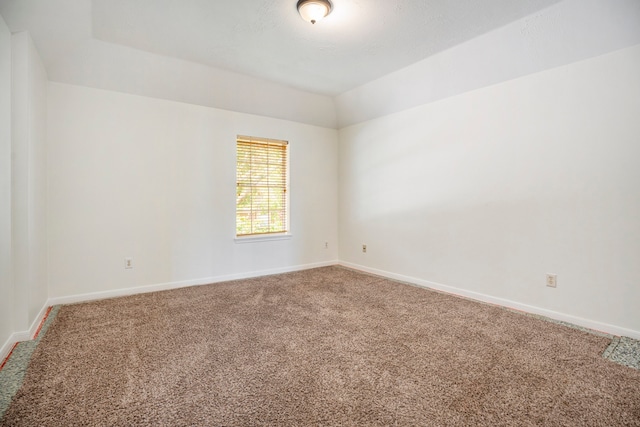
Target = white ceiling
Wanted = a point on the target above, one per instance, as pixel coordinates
(360, 41)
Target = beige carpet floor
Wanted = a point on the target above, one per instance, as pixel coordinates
(321, 347)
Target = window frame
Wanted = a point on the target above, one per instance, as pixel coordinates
(269, 236)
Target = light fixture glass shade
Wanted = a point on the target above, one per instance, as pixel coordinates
(314, 10)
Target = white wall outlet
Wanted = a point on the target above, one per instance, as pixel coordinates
(364, 249)
(552, 280)
(128, 263)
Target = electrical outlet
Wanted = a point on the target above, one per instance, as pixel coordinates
(364, 249)
(552, 280)
(128, 263)
(326, 245)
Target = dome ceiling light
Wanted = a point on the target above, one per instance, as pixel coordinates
(314, 10)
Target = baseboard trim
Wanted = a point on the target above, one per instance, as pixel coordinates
(579, 321)
(20, 336)
(72, 299)
(586, 323)
(7, 347)
(37, 322)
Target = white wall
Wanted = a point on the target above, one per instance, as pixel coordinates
(38, 83)
(564, 33)
(103, 65)
(6, 279)
(489, 190)
(29, 86)
(152, 179)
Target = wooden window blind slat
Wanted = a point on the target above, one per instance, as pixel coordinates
(261, 186)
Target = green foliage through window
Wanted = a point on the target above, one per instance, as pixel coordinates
(261, 190)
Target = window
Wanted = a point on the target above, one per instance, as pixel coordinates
(261, 189)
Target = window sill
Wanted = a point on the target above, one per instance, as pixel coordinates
(265, 238)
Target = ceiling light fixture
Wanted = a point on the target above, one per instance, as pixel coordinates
(314, 10)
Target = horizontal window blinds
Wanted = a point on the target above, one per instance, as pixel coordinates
(261, 191)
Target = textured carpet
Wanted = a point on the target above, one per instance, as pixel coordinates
(321, 347)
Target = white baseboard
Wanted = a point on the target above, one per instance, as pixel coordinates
(579, 321)
(38, 320)
(586, 323)
(8, 345)
(28, 335)
(23, 335)
(71, 299)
